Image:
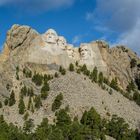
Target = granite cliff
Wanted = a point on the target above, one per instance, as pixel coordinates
(45, 53)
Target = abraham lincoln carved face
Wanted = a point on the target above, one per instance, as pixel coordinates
(85, 52)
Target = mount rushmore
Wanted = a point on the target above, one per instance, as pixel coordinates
(48, 51)
(56, 46)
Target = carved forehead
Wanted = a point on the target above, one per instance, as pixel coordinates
(61, 38)
(70, 46)
(49, 31)
(84, 46)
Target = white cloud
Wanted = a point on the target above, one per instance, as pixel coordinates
(37, 5)
(76, 39)
(131, 38)
(121, 17)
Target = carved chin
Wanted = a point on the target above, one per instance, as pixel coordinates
(51, 40)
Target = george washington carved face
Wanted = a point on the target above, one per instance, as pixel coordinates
(51, 36)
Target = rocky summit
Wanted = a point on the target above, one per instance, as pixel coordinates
(44, 65)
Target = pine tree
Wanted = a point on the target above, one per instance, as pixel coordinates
(71, 67)
(114, 84)
(0, 104)
(24, 91)
(6, 102)
(101, 78)
(38, 102)
(94, 75)
(12, 100)
(21, 106)
(56, 74)
(57, 102)
(26, 116)
(29, 103)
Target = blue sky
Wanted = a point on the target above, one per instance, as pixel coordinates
(117, 22)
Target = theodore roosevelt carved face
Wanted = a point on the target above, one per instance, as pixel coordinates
(70, 50)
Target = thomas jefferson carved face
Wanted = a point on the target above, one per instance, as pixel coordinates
(70, 50)
(85, 52)
(62, 42)
(51, 36)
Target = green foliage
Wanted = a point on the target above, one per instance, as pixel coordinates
(37, 101)
(45, 87)
(100, 78)
(106, 81)
(28, 126)
(44, 90)
(56, 75)
(7, 86)
(131, 87)
(17, 73)
(12, 100)
(56, 134)
(43, 130)
(94, 75)
(92, 127)
(26, 116)
(29, 103)
(84, 70)
(133, 63)
(21, 106)
(110, 91)
(91, 118)
(118, 129)
(6, 101)
(57, 102)
(71, 67)
(62, 70)
(137, 80)
(37, 79)
(27, 73)
(30, 92)
(0, 104)
(136, 97)
(62, 118)
(48, 77)
(44, 95)
(23, 91)
(76, 63)
(114, 84)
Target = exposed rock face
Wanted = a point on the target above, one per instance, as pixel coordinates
(25, 46)
(45, 53)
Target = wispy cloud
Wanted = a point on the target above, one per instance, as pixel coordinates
(76, 39)
(120, 16)
(37, 5)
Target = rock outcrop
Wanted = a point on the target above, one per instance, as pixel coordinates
(25, 46)
(45, 53)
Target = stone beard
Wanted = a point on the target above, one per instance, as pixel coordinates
(70, 51)
(61, 42)
(86, 54)
(51, 36)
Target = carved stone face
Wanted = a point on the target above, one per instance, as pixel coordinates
(85, 52)
(70, 51)
(51, 36)
(62, 42)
